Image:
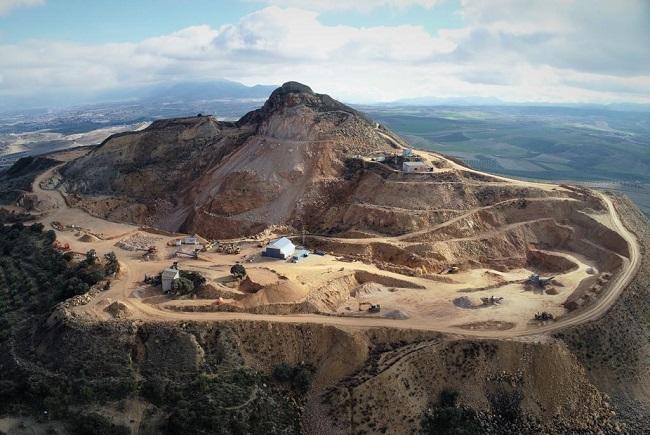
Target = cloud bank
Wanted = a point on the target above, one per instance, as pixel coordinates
(552, 50)
(6, 6)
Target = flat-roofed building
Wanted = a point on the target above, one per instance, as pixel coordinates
(412, 167)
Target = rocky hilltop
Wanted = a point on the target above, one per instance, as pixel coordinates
(229, 178)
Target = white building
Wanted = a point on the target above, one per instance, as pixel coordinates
(168, 277)
(407, 152)
(281, 248)
(191, 240)
(412, 167)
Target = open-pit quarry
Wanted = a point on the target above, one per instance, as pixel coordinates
(430, 290)
(481, 254)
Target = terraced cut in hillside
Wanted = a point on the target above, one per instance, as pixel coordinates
(447, 249)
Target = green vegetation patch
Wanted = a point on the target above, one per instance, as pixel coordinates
(21, 175)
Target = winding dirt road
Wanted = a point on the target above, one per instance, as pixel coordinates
(131, 274)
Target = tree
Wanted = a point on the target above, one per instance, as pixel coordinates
(183, 286)
(112, 266)
(238, 271)
(91, 257)
(197, 279)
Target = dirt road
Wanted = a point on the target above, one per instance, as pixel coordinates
(131, 276)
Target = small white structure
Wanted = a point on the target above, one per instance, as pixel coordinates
(191, 240)
(407, 152)
(412, 167)
(281, 248)
(168, 277)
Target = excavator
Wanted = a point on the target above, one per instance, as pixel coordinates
(372, 308)
(538, 281)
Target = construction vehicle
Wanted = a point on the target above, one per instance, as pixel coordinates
(227, 248)
(150, 253)
(57, 226)
(61, 246)
(543, 316)
(492, 300)
(194, 254)
(538, 281)
(372, 308)
(451, 269)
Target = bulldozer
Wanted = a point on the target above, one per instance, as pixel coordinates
(372, 308)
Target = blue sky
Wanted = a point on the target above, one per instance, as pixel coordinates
(103, 21)
(358, 51)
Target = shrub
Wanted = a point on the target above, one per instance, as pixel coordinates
(448, 398)
(283, 372)
(96, 424)
(300, 377)
(183, 286)
(450, 421)
(446, 418)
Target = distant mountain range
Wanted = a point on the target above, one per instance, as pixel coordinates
(206, 91)
(494, 101)
(190, 91)
(173, 91)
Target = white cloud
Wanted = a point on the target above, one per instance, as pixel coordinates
(596, 36)
(6, 6)
(296, 34)
(521, 54)
(362, 5)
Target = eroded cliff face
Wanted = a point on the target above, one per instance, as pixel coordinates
(364, 381)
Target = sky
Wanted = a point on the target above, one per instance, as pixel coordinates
(570, 51)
